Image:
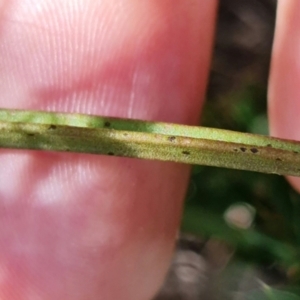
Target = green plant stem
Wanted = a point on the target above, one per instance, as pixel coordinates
(148, 140)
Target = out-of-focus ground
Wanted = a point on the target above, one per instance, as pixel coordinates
(204, 267)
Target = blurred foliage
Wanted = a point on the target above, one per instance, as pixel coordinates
(274, 237)
(237, 101)
(272, 294)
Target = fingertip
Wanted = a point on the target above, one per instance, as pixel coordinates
(284, 91)
(113, 221)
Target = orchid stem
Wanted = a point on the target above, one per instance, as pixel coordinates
(21, 129)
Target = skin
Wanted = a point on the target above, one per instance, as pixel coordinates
(284, 89)
(94, 227)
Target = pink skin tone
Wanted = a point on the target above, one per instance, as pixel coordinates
(284, 87)
(86, 227)
(95, 227)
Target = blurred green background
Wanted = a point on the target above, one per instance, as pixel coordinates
(237, 100)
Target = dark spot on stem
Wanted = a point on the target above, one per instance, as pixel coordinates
(172, 138)
(110, 153)
(107, 124)
(186, 152)
(269, 145)
(254, 150)
(30, 134)
(235, 150)
(296, 152)
(52, 127)
(243, 149)
(278, 159)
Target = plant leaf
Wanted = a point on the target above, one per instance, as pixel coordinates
(269, 293)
